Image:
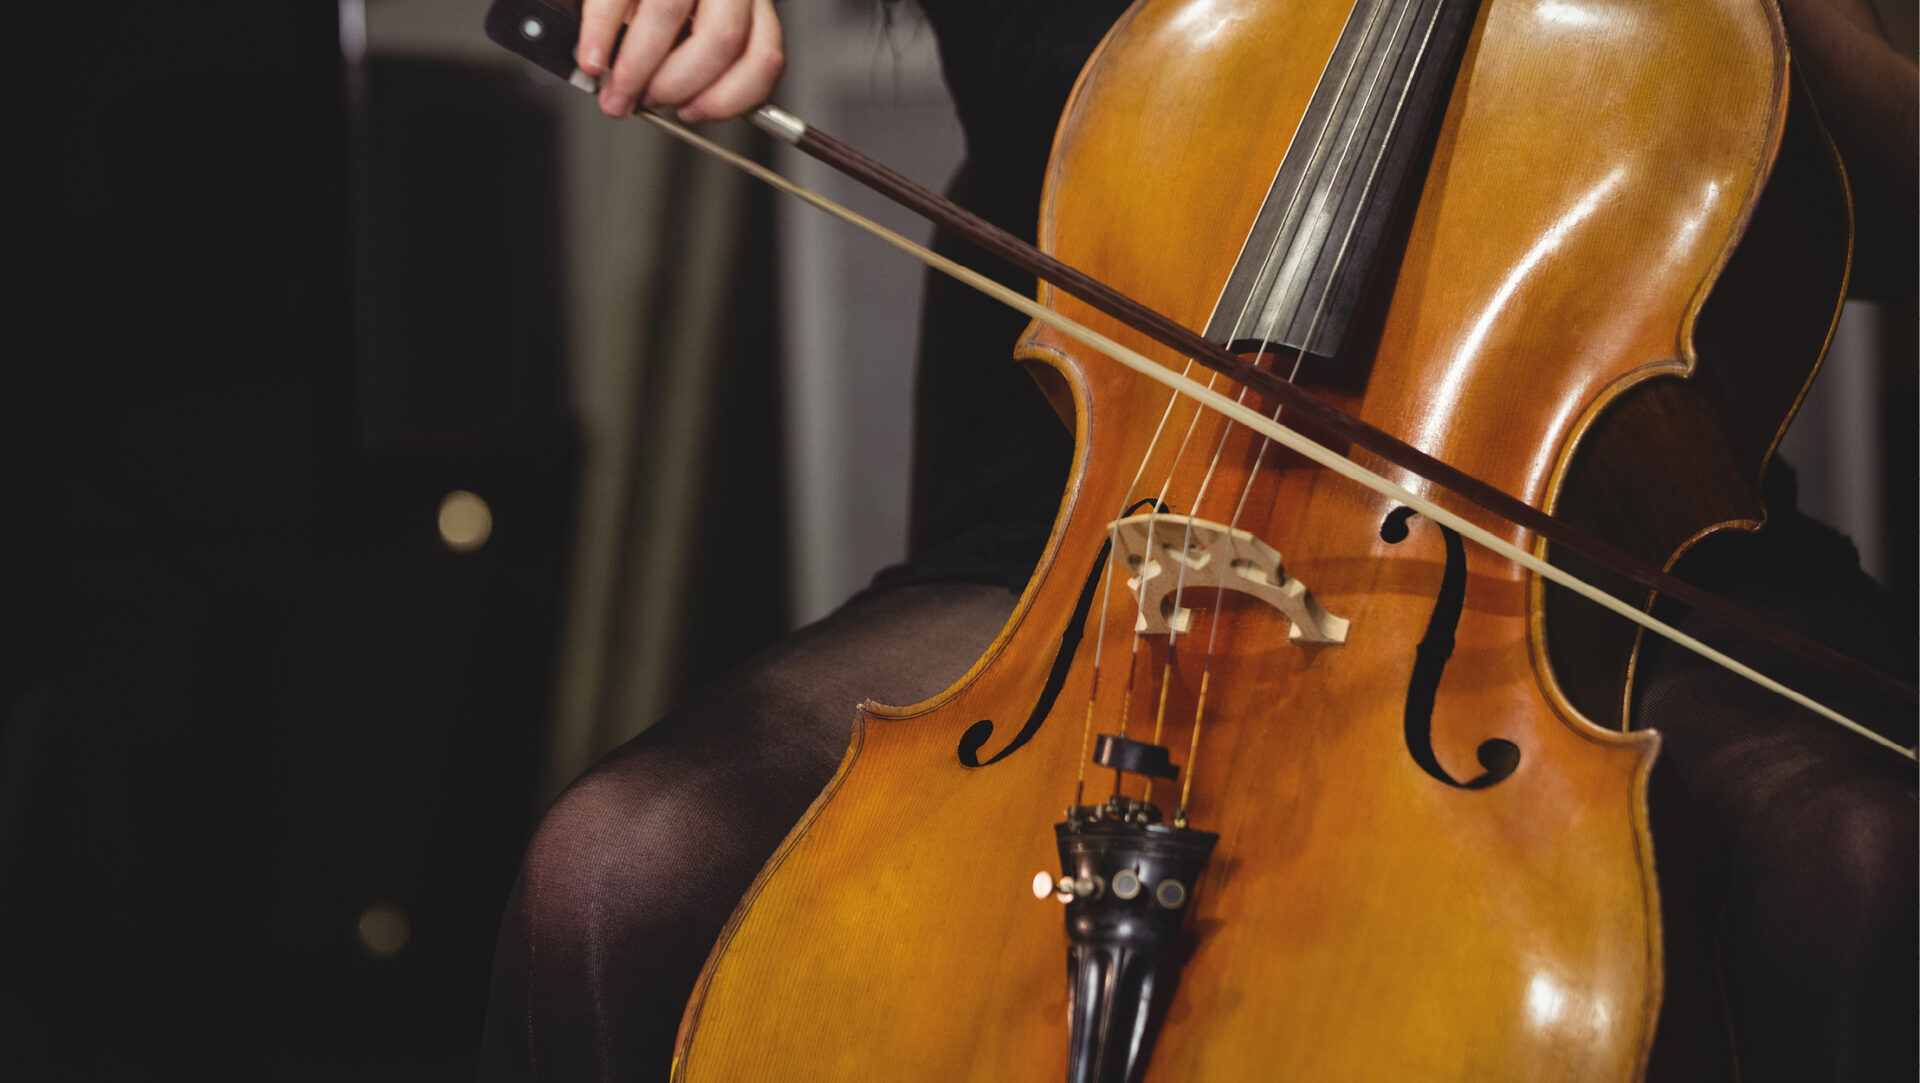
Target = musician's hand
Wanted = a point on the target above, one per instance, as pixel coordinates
(727, 62)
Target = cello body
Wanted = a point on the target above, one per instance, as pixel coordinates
(1384, 901)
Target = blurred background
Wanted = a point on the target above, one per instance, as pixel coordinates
(385, 435)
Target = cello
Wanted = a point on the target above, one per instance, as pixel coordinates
(1341, 857)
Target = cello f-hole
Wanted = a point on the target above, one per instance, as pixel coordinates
(1500, 757)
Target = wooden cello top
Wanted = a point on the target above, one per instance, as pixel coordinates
(1369, 911)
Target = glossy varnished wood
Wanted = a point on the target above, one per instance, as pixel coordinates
(1767, 322)
(1360, 919)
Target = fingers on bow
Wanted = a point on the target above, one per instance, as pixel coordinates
(712, 58)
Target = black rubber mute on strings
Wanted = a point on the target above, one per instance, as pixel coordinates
(1134, 757)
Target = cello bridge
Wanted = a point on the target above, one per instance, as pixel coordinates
(1166, 555)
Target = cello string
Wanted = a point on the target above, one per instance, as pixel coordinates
(1278, 245)
(1275, 246)
(1283, 435)
(1366, 104)
(1147, 564)
(1193, 744)
(1367, 108)
(1139, 593)
(1160, 711)
(1266, 442)
(1106, 598)
(1340, 256)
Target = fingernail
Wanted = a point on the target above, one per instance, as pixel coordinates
(596, 58)
(690, 115)
(649, 102)
(619, 103)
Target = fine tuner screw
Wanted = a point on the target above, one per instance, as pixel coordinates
(1171, 894)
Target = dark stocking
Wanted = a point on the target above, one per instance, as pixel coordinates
(634, 870)
(1814, 828)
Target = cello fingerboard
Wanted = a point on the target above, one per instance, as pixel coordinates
(1299, 276)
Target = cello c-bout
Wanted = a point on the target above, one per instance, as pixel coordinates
(1426, 862)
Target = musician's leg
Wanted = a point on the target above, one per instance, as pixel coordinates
(1816, 827)
(634, 870)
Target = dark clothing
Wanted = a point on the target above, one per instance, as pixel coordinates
(990, 456)
(635, 868)
(1807, 878)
